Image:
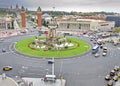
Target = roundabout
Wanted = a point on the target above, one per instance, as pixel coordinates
(73, 47)
(85, 70)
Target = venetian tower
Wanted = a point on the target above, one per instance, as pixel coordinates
(39, 17)
(23, 18)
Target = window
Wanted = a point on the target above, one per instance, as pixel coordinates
(68, 25)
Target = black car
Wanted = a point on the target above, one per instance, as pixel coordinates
(3, 50)
(50, 61)
(101, 46)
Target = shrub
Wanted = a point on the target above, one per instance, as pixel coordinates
(66, 47)
(33, 42)
(49, 48)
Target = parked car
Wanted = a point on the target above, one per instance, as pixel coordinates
(101, 46)
(110, 83)
(7, 68)
(116, 68)
(108, 77)
(104, 49)
(3, 50)
(1, 39)
(115, 78)
(118, 74)
(112, 73)
(97, 55)
(104, 53)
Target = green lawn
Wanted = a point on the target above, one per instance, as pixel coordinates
(22, 47)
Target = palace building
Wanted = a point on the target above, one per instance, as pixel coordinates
(85, 25)
(5, 23)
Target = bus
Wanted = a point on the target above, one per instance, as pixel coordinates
(95, 49)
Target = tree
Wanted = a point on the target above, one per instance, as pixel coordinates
(116, 30)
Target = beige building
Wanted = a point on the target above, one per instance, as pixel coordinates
(85, 25)
(5, 23)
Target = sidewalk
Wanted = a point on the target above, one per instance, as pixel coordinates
(40, 82)
(4, 34)
(7, 82)
(117, 83)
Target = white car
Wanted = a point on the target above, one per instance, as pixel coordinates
(1, 39)
(104, 54)
(97, 55)
(116, 68)
(107, 77)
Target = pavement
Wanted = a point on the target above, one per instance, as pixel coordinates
(40, 82)
(117, 83)
(8, 33)
(7, 81)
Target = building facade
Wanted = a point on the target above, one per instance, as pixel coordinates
(5, 23)
(85, 25)
(116, 19)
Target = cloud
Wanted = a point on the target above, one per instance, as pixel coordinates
(67, 5)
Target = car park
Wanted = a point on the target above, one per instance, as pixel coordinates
(7, 68)
(108, 77)
(115, 78)
(110, 83)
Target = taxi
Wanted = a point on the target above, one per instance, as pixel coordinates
(7, 68)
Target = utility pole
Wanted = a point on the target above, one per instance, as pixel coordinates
(53, 67)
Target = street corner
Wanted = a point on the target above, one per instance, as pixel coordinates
(7, 81)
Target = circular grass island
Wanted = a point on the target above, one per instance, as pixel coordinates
(27, 47)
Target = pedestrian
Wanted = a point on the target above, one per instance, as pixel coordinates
(31, 84)
(3, 76)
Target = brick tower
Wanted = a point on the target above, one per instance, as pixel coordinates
(23, 17)
(39, 17)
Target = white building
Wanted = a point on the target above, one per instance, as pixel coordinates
(47, 17)
(85, 25)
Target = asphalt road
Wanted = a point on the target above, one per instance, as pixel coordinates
(84, 70)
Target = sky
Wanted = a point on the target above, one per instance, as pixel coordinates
(67, 5)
